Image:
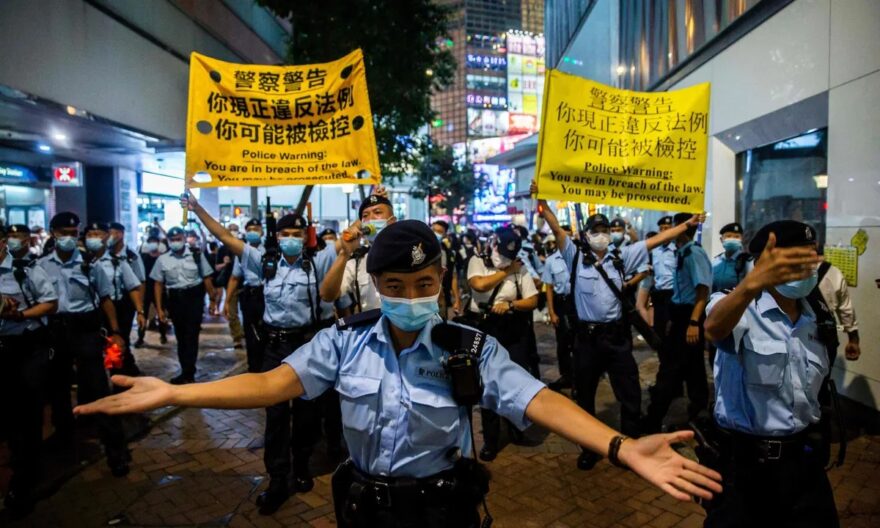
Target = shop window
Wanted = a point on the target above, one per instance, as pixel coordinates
(787, 180)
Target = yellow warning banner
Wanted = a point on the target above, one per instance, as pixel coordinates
(604, 145)
(251, 124)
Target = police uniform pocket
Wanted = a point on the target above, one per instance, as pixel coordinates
(359, 400)
(303, 287)
(765, 362)
(189, 270)
(587, 283)
(433, 417)
(817, 356)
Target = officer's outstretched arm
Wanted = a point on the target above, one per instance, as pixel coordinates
(775, 266)
(651, 457)
(245, 391)
(661, 239)
(235, 245)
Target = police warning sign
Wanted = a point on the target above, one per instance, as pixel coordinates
(609, 146)
(279, 125)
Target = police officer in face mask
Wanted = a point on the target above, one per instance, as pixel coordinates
(769, 371)
(85, 306)
(250, 296)
(24, 362)
(408, 382)
(150, 252)
(185, 273)
(731, 266)
(293, 313)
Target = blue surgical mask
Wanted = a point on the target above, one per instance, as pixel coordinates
(616, 238)
(798, 289)
(291, 246)
(66, 243)
(94, 244)
(439, 237)
(409, 315)
(151, 246)
(732, 245)
(111, 241)
(378, 225)
(14, 245)
(253, 237)
(176, 245)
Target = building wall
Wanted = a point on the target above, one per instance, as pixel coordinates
(812, 47)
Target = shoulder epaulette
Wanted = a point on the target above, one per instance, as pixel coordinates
(359, 319)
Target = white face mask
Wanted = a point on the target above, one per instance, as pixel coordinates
(499, 261)
(598, 241)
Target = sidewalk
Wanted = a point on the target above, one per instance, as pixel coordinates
(204, 468)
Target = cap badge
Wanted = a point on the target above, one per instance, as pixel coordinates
(809, 233)
(511, 246)
(373, 199)
(418, 256)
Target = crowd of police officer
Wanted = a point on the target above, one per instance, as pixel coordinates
(770, 358)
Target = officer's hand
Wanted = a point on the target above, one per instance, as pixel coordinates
(226, 311)
(351, 238)
(144, 394)
(780, 265)
(500, 308)
(554, 319)
(117, 340)
(380, 191)
(653, 458)
(10, 308)
(533, 188)
(456, 307)
(162, 317)
(853, 351)
(188, 201)
(141, 320)
(696, 220)
(693, 335)
(514, 268)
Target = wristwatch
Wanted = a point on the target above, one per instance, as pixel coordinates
(509, 306)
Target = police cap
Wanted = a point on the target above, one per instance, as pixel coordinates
(62, 220)
(326, 232)
(175, 231)
(732, 228)
(253, 222)
(597, 220)
(666, 220)
(509, 242)
(618, 222)
(97, 225)
(403, 247)
(117, 226)
(789, 233)
(18, 228)
(681, 218)
(371, 201)
(291, 221)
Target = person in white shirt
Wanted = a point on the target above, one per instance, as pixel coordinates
(834, 291)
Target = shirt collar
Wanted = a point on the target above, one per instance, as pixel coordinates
(76, 258)
(766, 303)
(382, 333)
(682, 248)
(732, 257)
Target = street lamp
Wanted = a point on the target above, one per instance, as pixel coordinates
(348, 188)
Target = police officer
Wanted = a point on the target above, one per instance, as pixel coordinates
(348, 276)
(603, 340)
(771, 363)
(84, 294)
(560, 306)
(406, 422)
(729, 267)
(685, 353)
(186, 275)
(663, 263)
(451, 294)
(126, 271)
(503, 297)
(250, 297)
(29, 297)
(294, 311)
(150, 252)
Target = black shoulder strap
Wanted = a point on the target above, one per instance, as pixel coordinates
(613, 287)
(458, 338)
(574, 267)
(130, 255)
(359, 319)
(681, 256)
(741, 260)
(823, 269)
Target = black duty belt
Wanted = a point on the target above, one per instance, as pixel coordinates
(388, 492)
(198, 288)
(764, 448)
(82, 321)
(592, 327)
(252, 290)
(282, 333)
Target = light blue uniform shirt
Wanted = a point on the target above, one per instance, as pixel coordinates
(136, 263)
(663, 258)
(179, 271)
(556, 273)
(76, 292)
(531, 262)
(594, 300)
(288, 295)
(251, 278)
(122, 276)
(724, 275)
(398, 415)
(696, 269)
(768, 371)
(36, 287)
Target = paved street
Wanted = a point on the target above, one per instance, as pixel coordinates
(204, 468)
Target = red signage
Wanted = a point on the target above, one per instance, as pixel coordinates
(67, 174)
